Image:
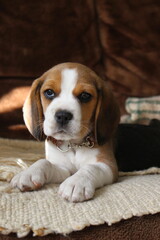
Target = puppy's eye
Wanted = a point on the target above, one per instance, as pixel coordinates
(85, 97)
(49, 94)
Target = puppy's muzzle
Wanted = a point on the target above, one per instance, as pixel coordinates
(63, 117)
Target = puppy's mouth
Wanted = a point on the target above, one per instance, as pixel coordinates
(62, 134)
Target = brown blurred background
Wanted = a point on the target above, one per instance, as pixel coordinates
(120, 40)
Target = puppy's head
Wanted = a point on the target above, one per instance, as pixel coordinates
(68, 102)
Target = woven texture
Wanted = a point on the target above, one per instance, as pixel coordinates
(142, 110)
(45, 212)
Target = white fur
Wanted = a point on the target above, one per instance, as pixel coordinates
(81, 186)
(77, 170)
(65, 101)
(86, 173)
(73, 158)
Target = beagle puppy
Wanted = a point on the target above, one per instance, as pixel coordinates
(76, 113)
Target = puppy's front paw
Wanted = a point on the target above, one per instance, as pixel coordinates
(30, 179)
(77, 189)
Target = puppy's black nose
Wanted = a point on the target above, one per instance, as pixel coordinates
(63, 117)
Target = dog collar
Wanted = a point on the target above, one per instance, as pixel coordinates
(88, 142)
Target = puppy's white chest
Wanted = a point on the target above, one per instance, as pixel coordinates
(85, 156)
(76, 158)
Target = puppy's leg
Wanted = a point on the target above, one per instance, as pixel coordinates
(81, 186)
(38, 174)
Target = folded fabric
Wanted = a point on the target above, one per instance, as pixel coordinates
(141, 110)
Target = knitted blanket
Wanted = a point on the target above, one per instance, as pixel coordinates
(141, 110)
(44, 211)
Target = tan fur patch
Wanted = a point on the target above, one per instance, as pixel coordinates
(53, 81)
(107, 156)
(87, 109)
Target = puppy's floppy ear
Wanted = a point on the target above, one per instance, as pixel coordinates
(33, 112)
(107, 115)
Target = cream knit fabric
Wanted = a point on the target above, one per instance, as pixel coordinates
(45, 212)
